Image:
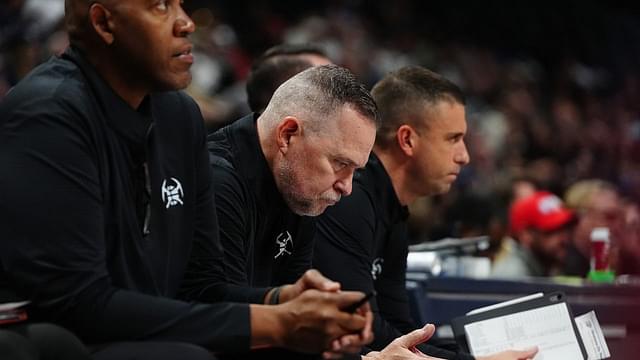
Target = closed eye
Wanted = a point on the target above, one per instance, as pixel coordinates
(339, 165)
(455, 138)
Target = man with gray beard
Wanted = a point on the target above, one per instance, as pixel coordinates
(274, 172)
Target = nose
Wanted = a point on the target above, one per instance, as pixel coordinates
(345, 185)
(462, 156)
(183, 25)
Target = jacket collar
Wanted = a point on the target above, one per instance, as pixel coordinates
(130, 123)
(380, 180)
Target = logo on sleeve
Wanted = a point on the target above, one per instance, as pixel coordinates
(285, 244)
(172, 193)
(376, 268)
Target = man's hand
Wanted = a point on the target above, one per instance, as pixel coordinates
(313, 321)
(352, 344)
(511, 355)
(311, 279)
(404, 347)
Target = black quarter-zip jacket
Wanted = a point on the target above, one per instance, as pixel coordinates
(265, 243)
(94, 243)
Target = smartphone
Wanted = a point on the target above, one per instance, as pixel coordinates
(353, 307)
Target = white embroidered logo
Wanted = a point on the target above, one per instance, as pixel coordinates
(172, 193)
(376, 268)
(285, 244)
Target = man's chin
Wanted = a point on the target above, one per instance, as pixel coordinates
(315, 211)
(308, 209)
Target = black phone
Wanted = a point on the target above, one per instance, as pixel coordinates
(353, 307)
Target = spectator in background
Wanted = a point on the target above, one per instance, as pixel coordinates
(598, 204)
(275, 66)
(541, 228)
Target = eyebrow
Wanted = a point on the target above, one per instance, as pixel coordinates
(348, 161)
(456, 134)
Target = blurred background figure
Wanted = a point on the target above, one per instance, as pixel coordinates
(598, 204)
(540, 235)
(277, 65)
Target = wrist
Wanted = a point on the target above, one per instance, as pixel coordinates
(268, 326)
(287, 292)
(273, 296)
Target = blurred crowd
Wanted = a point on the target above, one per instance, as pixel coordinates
(553, 91)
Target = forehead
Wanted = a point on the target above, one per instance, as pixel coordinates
(350, 136)
(444, 117)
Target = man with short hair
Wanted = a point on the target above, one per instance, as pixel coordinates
(419, 151)
(275, 66)
(107, 192)
(541, 228)
(274, 172)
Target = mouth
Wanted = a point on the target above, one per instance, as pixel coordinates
(331, 201)
(185, 54)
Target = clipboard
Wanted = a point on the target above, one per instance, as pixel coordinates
(555, 300)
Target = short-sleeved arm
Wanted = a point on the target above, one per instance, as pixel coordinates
(52, 238)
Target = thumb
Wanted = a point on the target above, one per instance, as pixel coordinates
(416, 336)
(527, 353)
(313, 279)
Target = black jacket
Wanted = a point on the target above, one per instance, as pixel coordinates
(96, 244)
(265, 243)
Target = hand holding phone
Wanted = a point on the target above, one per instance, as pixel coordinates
(353, 307)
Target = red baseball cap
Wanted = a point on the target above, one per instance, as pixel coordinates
(541, 211)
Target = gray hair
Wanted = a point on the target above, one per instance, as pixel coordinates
(315, 94)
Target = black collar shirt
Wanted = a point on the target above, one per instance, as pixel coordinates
(101, 205)
(265, 243)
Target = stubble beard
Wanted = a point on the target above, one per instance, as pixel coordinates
(287, 182)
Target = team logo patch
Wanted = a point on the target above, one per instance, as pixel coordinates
(172, 193)
(285, 244)
(376, 268)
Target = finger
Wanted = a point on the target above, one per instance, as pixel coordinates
(331, 355)
(367, 332)
(416, 336)
(349, 344)
(335, 345)
(527, 353)
(313, 279)
(366, 307)
(350, 323)
(345, 299)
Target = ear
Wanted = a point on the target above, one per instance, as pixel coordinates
(289, 127)
(101, 21)
(406, 139)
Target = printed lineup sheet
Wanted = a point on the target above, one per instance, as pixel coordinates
(548, 327)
